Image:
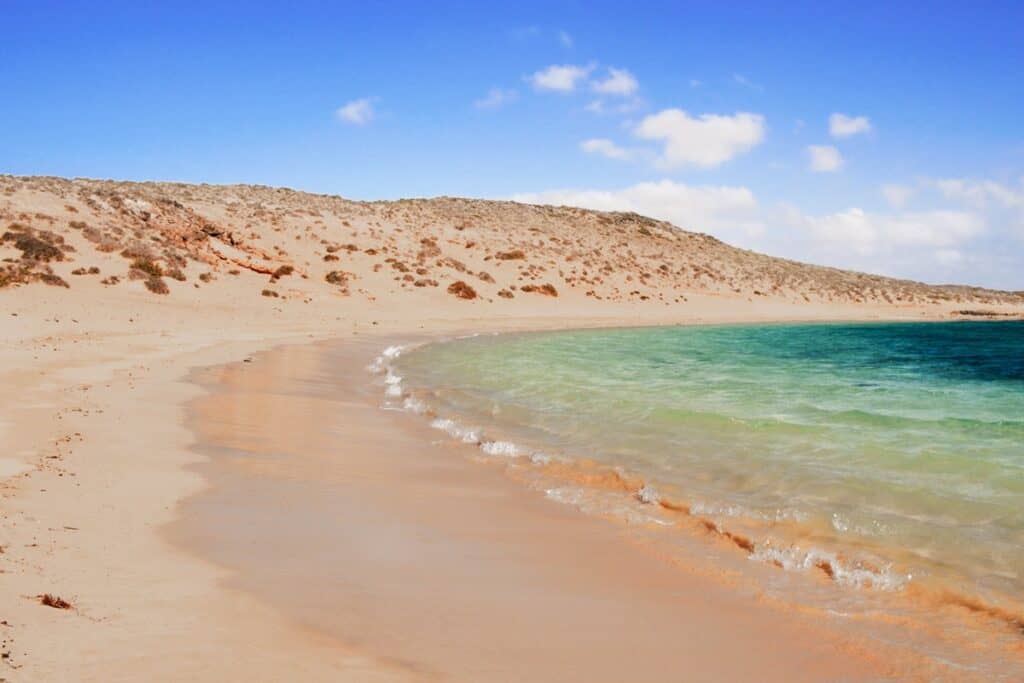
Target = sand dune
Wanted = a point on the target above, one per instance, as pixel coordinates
(292, 245)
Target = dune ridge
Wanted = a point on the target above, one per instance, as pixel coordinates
(171, 235)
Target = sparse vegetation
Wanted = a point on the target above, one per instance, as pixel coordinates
(148, 266)
(513, 255)
(281, 272)
(545, 289)
(462, 290)
(55, 601)
(32, 248)
(619, 257)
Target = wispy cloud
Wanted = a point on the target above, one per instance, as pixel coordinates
(563, 78)
(723, 210)
(495, 98)
(599, 106)
(824, 158)
(565, 39)
(606, 148)
(843, 126)
(357, 112)
(867, 232)
(618, 82)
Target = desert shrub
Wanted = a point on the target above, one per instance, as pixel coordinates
(513, 255)
(54, 601)
(270, 293)
(148, 266)
(505, 294)
(545, 289)
(139, 251)
(157, 285)
(462, 290)
(32, 248)
(281, 272)
(337, 277)
(53, 280)
(176, 274)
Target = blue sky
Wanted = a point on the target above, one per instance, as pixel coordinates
(886, 137)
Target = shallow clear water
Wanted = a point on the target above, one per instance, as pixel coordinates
(899, 445)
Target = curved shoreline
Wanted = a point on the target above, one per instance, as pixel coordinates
(486, 481)
(116, 614)
(636, 492)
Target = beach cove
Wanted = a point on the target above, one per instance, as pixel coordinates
(126, 412)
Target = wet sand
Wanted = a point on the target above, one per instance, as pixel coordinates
(358, 523)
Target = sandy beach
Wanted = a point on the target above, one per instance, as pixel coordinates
(201, 498)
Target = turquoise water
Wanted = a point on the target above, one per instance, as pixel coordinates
(900, 446)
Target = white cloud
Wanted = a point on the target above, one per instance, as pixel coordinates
(934, 245)
(696, 83)
(565, 39)
(619, 82)
(707, 141)
(897, 195)
(606, 148)
(868, 233)
(843, 126)
(496, 97)
(824, 158)
(980, 192)
(560, 77)
(600, 107)
(357, 112)
(722, 210)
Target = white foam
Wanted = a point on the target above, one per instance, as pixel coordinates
(504, 448)
(392, 352)
(565, 495)
(647, 494)
(393, 383)
(381, 363)
(844, 573)
(452, 428)
(414, 405)
(539, 458)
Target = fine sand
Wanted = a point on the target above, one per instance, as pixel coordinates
(320, 537)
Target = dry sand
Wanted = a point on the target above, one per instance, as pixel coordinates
(97, 447)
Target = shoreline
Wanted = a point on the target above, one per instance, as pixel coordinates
(627, 497)
(257, 458)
